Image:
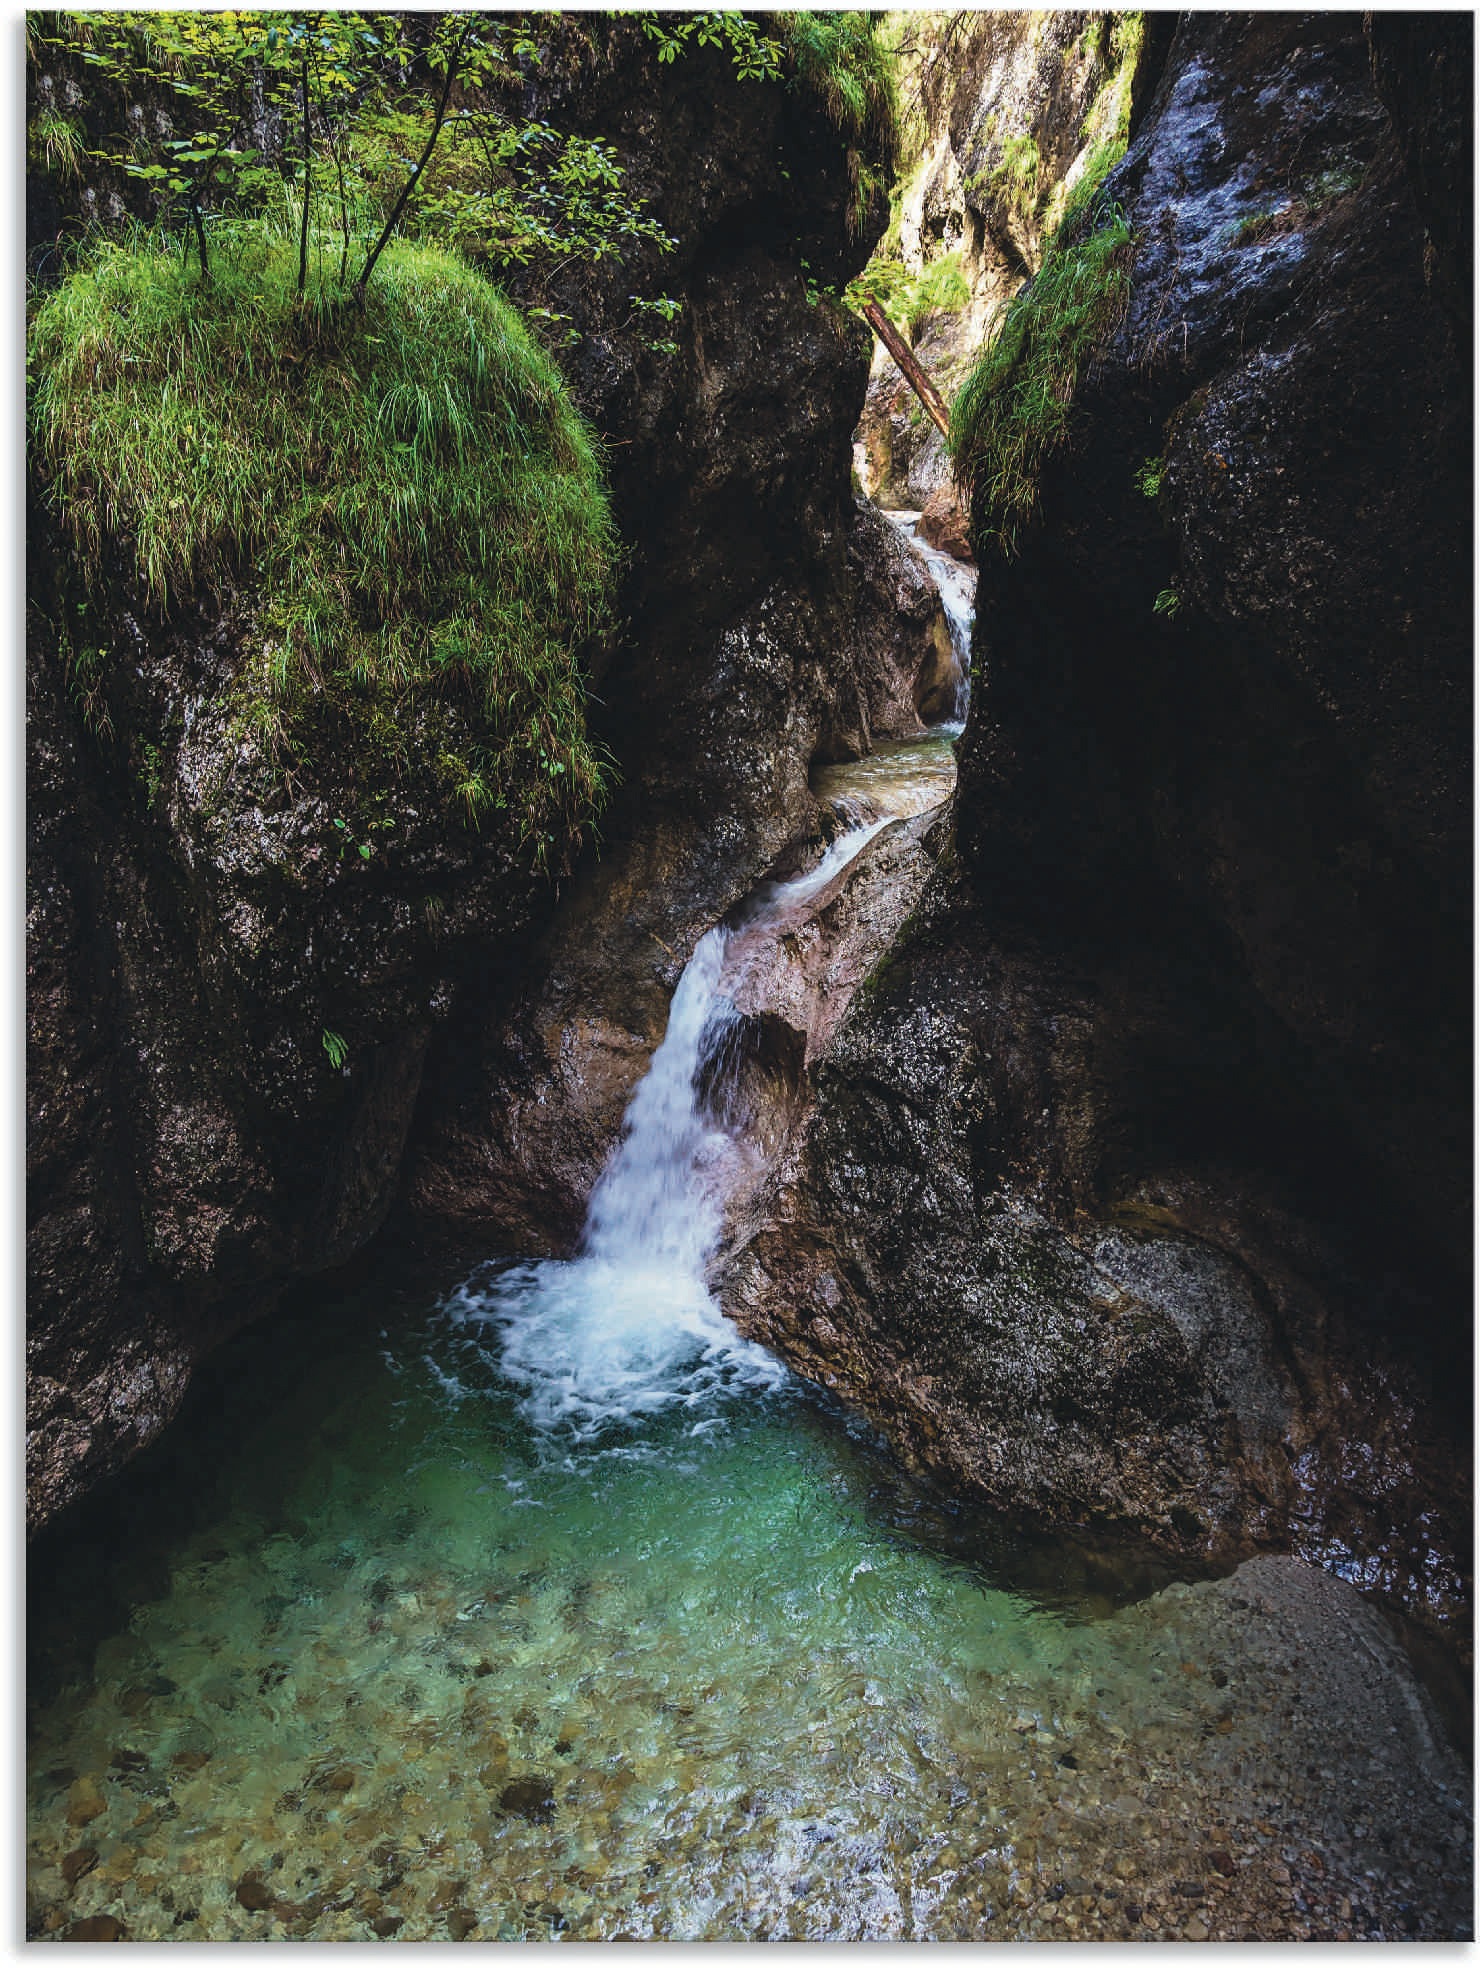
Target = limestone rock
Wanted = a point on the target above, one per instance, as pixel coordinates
(945, 524)
(1138, 1186)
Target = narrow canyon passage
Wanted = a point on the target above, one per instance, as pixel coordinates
(749, 932)
(554, 1608)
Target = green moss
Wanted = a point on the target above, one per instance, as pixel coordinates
(406, 492)
(1013, 408)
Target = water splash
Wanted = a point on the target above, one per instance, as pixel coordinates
(628, 1328)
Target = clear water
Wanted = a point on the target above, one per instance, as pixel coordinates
(366, 1646)
(756, 1703)
(900, 778)
(551, 1608)
(628, 1328)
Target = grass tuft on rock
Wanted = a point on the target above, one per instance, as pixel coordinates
(1013, 409)
(845, 60)
(405, 492)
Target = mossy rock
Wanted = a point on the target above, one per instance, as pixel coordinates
(403, 493)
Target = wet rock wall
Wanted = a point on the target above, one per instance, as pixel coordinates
(1138, 1185)
(201, 921)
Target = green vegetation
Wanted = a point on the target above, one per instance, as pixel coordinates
(846, 61)
(910, 299)
(402, 489)
(388, 128)
(1149, 477)
(1013, 409)
(1249, 231)
(281, 394)
(1109, 118)
(1167, 604)
(841, 57)
(151, 773)
(1298, 210)
(1015, 180)
(54, 142)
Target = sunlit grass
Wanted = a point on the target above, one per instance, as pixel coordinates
(1013, 408)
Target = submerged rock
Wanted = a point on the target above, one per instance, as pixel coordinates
(97, 1927)
(253, 1893)
(529, 1797)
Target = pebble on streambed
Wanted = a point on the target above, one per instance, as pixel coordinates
(975, 1771)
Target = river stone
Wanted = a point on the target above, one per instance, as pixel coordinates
(529, 1797)
(85, 1801)
(97, 1927)
(76, 1865)
(253, 1893)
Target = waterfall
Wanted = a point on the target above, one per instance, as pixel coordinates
(629, 1327)
(956, 585)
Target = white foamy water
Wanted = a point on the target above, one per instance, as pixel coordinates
(956, 585)
(629, 1327)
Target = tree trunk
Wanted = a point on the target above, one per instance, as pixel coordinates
(913, 374)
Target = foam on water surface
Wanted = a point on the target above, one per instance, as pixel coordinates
(629, 1327)
(559, 1610)
(359, 1647)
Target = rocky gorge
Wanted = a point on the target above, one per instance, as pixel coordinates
(1078, 1100)
(1137, 972)
(198, 917)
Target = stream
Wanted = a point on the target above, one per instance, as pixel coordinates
(547, 1606)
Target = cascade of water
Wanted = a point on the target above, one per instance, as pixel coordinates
(629, 1326)
(956, 584)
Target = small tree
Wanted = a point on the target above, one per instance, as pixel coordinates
(354, 113)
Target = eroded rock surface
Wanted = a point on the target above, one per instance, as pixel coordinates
(1014, 105)
(207, 927)
(1138, 1184)
(778, 624)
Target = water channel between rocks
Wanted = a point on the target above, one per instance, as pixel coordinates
(550, 1607)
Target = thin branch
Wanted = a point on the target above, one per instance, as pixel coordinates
(307, 180)
(410, 185)
(197, 191)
